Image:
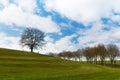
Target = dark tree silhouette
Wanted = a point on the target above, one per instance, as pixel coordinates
(102, 53)
(113, 52)
(78, 54)
(33, 38)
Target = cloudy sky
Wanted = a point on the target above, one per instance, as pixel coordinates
(68, 24)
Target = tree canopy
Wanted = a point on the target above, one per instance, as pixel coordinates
(33, 38)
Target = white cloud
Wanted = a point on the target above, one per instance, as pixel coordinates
(97, 35)
(64, 44)
(84, 11)
(115, 18)
(13, 14)
(9, 42)
(4, 2)
(49, 39)
(27, 5)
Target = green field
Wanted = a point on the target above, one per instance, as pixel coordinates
(19, 65)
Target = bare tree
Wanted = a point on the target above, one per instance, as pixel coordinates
(89, 54)
(102, 53)
(52, 54)
(62, 54)
(95, 54)
(68, 54)
(113, 52)
(33, 38)
(78, 54)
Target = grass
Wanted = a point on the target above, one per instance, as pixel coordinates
(20, 65)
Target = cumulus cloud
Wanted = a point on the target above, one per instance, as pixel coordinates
(22, 16)
(115, 18)
(4, 3)
(63, 44)
(83, 10)
(49, 39)
(26, 5)
(9, 42)
(97, 35)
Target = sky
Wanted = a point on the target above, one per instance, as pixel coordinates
(68, 24)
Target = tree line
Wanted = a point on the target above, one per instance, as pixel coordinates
(99, 54)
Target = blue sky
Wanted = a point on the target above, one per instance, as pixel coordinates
(68, 24)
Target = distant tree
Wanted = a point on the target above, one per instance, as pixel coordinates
(68, 54)
(102, 53)
(62, 54)
(88, 54)
(113, 52)
(95, 54)
(33, 38)
(91, 54)
(78, 54)
(52, 54)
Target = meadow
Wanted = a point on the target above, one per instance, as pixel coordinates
(21, 65)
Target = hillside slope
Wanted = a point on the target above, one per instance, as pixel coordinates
(19, 65)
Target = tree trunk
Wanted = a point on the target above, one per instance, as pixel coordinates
(79, 59)
(31, 49)
(114, 62)
(111, 62)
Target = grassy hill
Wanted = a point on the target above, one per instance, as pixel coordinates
(19, 65)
